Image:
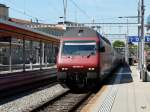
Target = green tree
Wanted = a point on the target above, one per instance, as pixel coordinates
(132, 50)
(118, 43)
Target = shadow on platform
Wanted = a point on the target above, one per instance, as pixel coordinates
(125, 75)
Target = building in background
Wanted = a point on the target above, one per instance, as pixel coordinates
(52, 29)
(4, 12)
(34, 46)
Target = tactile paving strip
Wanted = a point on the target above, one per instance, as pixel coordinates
(109, 100)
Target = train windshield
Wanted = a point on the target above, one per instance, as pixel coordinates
(79, 48)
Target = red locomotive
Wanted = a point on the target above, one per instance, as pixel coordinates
(84, 57)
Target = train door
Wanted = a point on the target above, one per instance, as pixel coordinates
(102, 59)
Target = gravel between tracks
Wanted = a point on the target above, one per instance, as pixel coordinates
(30, 102)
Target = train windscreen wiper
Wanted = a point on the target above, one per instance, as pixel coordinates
(91, 53)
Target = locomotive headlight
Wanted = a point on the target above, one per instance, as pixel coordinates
(64, 68)
(91, 69)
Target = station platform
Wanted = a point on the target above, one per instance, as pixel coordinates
(127, 94)
(50, 66)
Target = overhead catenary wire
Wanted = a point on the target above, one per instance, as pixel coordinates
(22, 11)
(26, 14)
(81, 10)
(54, 8)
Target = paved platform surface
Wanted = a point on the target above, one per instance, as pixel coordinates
(133, 94)
(27, 70)
(127, 94)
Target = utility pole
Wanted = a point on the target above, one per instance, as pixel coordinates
(65, 9)
(127, 40)
(139, 35)
(143, 67)
(127, 47)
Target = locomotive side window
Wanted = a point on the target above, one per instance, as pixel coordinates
(101, 46)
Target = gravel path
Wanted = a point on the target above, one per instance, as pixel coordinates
(30, 102)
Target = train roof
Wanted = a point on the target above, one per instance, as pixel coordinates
(80, 32)
(106, 40)
(83, 32)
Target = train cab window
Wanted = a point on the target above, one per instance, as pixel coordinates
(79, 48)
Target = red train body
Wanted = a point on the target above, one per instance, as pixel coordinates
(84, 57)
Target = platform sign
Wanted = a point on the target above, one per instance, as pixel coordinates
(133, 39)
(147, 38)
(136, 39)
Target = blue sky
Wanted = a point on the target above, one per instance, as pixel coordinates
(51, 10)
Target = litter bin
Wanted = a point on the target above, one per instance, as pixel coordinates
(130, 61)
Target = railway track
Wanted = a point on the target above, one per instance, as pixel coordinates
(72, 100)
(66, 102)
(52, 100)
(25, 81)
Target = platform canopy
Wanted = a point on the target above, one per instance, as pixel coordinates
(14, 30)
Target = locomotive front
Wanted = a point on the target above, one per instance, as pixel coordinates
(77, 60)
